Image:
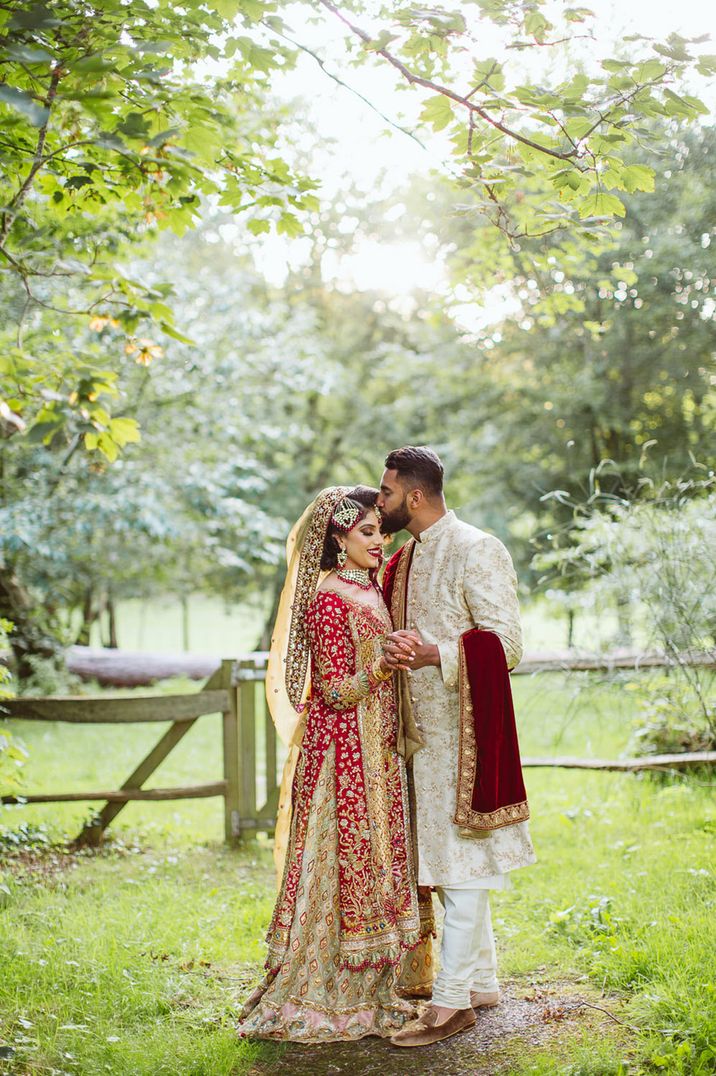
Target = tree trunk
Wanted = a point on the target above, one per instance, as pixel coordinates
(184, 622)
(89, 615)
(264, 641)
(624, 632)
(112, 621)
(29, 638)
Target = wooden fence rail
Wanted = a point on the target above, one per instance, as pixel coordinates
(681, 761)
(251, 757)
(218, 695)
(132, 668)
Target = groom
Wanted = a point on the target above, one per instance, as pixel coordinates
(452, 593)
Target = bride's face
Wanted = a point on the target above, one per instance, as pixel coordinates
(364, 543)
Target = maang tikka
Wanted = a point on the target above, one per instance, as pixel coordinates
(345, 516)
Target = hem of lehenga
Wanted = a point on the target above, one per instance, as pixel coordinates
(299, 1025)
(389, 957)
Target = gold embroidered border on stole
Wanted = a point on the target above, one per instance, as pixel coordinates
(410, 738)
(399, 596)
(472, 823)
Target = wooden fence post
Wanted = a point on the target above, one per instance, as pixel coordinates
(230, 737)
(271, 776)
(246, 702)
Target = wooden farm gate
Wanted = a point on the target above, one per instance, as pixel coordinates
(232, 691)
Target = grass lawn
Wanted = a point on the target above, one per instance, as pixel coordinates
(134, 960)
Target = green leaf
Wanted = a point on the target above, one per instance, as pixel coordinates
(258, 227)
(41, 432)
(648, 71)
(107, 447)
(99, 415)
(615, 65)
(27, 54)
(620, 272)
(156, 48)
(674, 49)
(577, 126)
(437, 111)
(706, 65)
(490, 72)
(23, 102)
(602, 205)
(289, 225)
(124, 431)
(251, 9)
(537, 26)
(638, 177)
(384, 38)
(92, 64)
(169, 329)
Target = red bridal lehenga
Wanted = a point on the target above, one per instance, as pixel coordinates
(346, 948)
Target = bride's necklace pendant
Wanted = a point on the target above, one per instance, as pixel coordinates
(360, 577)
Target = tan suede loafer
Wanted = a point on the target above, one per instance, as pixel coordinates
(484, 999)
(426, 1030)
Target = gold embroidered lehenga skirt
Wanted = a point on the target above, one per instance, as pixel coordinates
(349, 943)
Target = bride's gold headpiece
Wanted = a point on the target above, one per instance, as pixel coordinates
(346, 515)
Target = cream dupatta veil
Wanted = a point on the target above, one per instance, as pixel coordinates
(287, 681)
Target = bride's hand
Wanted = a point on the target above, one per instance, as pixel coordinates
(399, 649)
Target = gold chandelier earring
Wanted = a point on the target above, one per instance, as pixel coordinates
(342, 557)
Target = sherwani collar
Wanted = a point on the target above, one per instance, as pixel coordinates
(436, 529)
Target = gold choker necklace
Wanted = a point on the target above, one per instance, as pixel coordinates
(359, 576)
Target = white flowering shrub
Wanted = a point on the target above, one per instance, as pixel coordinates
(656, 551)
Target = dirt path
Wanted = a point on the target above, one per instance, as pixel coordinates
(525, 1019)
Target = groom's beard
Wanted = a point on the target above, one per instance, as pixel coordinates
(397, 520)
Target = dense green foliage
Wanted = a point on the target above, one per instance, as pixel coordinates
(115, 125)
(298, 386)
(143, 154)
(119, 122)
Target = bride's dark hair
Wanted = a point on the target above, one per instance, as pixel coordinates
(364, 498)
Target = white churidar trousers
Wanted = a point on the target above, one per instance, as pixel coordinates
(467, 955)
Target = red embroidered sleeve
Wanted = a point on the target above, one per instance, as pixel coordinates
(340, 685)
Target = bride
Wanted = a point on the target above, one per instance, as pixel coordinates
(349, 943)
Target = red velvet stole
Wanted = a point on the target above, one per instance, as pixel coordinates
(490, 788)
(389, 581)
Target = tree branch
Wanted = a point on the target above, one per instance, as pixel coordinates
(447, 92)
(351, 89)
(16, 201)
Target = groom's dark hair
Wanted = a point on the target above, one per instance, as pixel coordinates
(418, 467)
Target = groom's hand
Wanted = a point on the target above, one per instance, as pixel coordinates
(399, 649)
(406, 650)
(425, 654)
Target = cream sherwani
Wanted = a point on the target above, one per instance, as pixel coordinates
(460, 578)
